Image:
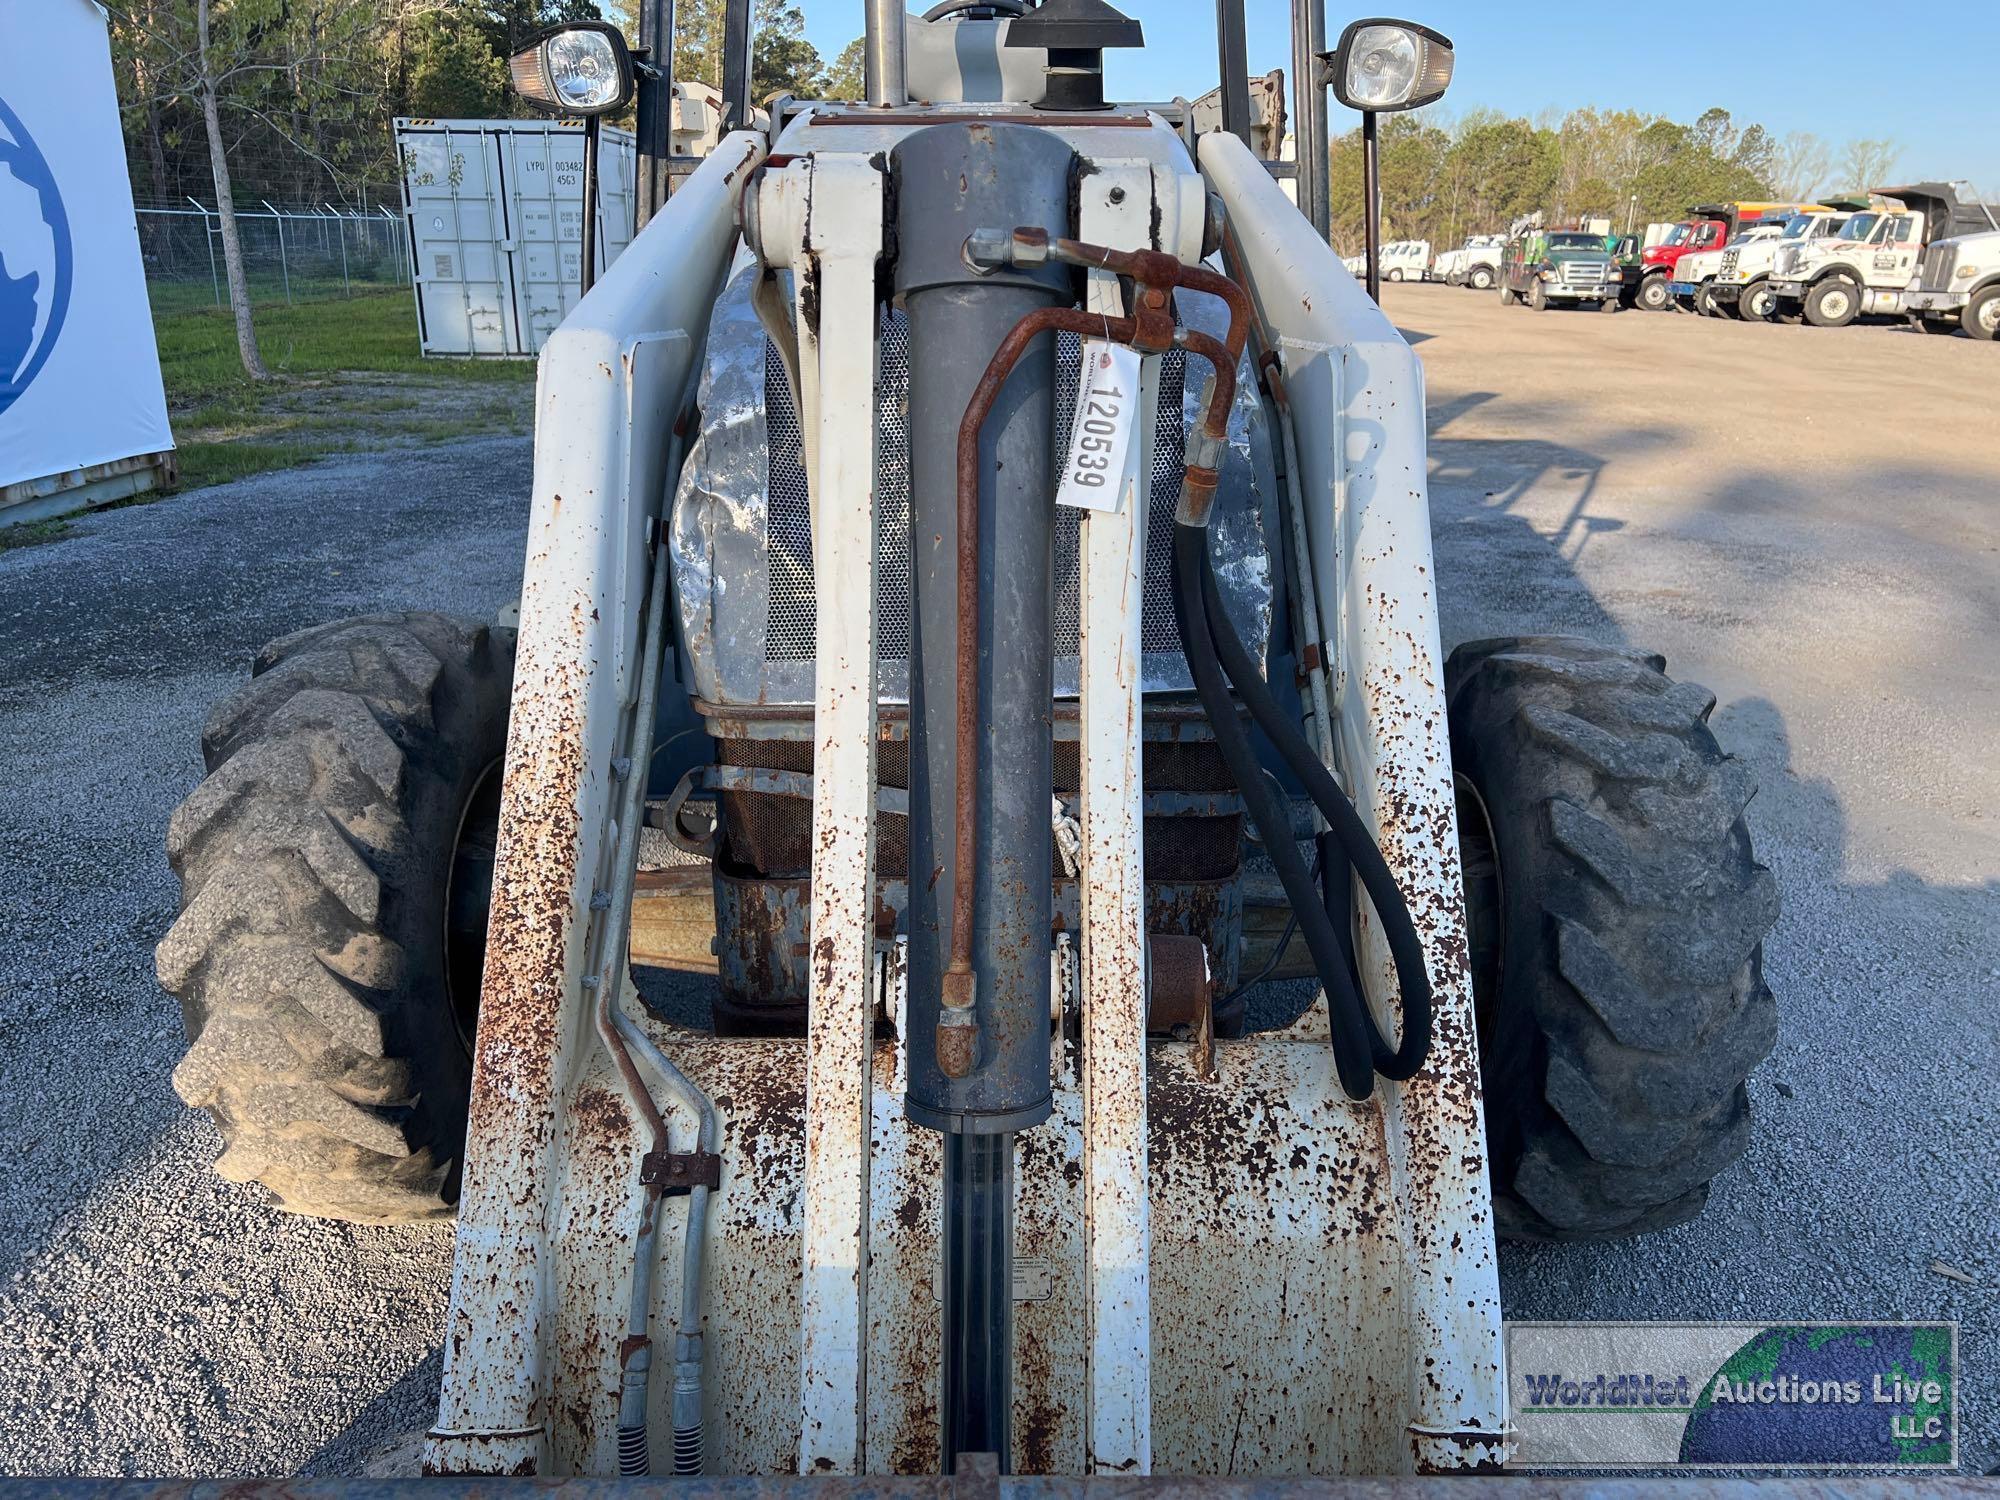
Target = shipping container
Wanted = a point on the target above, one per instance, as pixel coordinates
(495, 215)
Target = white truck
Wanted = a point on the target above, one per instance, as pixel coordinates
(1958, 287)
(1869, 266)
(1694, 276)
(1406, 260)
(1476, 263)
(1402, 260)
(1735, 281)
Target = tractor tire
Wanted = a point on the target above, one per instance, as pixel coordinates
(1616, 920)
(1655, 295)
(1982, 315)
(1395, 275)
(1705, 303)
(1482, 278)
(1833, 303)
(1755, 304)
(334, 868)
(1538, 297)
(1508, 296)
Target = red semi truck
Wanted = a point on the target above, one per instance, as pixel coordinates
(1708, 226)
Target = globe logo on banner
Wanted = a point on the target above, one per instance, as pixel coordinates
(35, 260)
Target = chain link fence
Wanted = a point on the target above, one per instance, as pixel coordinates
(289, 254)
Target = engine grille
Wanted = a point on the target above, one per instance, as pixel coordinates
(1584, 272)
(741, 532)
(1937, 268)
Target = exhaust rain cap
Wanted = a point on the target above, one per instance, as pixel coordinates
(1076, 34)
(1382, 66)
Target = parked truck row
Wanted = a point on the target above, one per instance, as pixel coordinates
(1922, 251)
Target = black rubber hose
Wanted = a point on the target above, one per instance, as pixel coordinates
(1352, 1054)
(1358, 846)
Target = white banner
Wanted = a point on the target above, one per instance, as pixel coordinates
(79, 371)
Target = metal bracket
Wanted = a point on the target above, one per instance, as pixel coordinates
(680, 1171)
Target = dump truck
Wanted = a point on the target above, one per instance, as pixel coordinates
(1867, 268)
(1694, 275)
(1707, 227)
(1958, 285)
(1740, 283)
(964, 465)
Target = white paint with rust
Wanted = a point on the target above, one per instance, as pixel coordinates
(1119, 1430)
(1274, 1279)
(1357, 394)
(610, 380)
(826, 213)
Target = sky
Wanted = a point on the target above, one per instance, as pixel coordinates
(1833, 68)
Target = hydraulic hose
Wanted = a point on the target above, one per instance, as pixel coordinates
(1358, 1048)
(1216, 657)
(1363, 856)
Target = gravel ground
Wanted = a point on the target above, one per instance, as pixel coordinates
(1827, 565)
(1804, 521)
(157, 1319)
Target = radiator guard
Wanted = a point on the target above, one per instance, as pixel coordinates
(741, 531)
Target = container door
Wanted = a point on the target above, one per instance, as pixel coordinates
(545, 180)
(459, 238)
(617, 186)
(545, 176)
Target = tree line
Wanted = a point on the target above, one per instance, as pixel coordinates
(290, 101)
(304, 89)
(1445, 178)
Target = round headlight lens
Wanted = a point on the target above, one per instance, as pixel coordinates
(1382, 67)
(583, 69)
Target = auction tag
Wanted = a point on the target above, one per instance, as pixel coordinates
(1100, 442)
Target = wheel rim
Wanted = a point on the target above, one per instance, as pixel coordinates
(1485, 905)
(1654, 295)
(1834, 304)
(469, 900)
(1756, 304)
(1989, 315)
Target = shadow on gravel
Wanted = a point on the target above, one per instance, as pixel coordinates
(385, 1439)
(1869, 1164)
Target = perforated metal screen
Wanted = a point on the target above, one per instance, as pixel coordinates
(789, 634)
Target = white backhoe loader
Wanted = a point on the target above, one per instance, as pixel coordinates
(1029, 515)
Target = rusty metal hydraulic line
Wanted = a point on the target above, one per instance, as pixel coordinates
(1359, 1044)
(1151, 330)
(609, 961)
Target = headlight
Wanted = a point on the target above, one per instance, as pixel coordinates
(1966, 271)
(1383, 65)
(581, 69)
